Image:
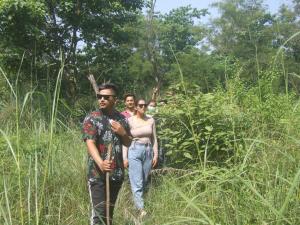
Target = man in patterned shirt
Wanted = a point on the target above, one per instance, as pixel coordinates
(103, 128)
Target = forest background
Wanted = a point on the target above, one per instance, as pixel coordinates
(230, 127)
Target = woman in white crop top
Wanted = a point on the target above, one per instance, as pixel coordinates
(142, 154)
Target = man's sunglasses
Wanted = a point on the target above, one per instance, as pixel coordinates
(105, 97)
(142, 105)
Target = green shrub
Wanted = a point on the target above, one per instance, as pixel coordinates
(198, 128)
(213, 128)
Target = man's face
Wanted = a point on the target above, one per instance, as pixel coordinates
(106, 99)
(129, 102)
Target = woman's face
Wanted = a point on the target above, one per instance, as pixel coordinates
(141, 106)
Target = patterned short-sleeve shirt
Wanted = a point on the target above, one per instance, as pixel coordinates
(96, 126)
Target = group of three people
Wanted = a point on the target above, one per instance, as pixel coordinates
(131, 138)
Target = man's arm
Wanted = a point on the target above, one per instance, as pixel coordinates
(126, 140)
(104, 165)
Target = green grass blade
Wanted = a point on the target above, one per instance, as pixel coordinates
(7, 202)
(190, 203)
(28, 94)
(10, 147)
(9, 84)
(3, 214)
(264, 201)
(283, 45)
(288, 197)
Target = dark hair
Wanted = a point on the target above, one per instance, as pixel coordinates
(108, 86)
(165, 101)
(140, 99)
(152, 101)
(129, 95)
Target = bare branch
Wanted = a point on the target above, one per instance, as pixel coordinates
(93, 82)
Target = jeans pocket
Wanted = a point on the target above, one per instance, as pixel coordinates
(92, 181)
(130, 154)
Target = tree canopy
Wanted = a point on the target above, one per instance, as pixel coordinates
(137, 47)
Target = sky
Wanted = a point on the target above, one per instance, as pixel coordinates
(165, 6)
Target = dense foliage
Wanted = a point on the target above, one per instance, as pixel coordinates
(212, 128)
(115, 41)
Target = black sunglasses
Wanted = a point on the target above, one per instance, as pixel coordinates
(105, 97)
(142, 105)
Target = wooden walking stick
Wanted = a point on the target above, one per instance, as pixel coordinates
(109, 152)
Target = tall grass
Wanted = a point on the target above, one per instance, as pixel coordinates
(64, 198)
(264, 190)
(191, 125)
(40, 164)
(261, 186)
(43, 166)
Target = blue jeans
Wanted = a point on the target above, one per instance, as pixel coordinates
(140, 162)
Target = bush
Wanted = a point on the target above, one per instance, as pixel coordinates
(212, 128)
(198, 128)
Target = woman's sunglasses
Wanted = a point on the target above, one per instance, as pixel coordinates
(142, 105)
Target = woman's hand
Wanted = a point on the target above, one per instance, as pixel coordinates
(154, 161)
(125, 163)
